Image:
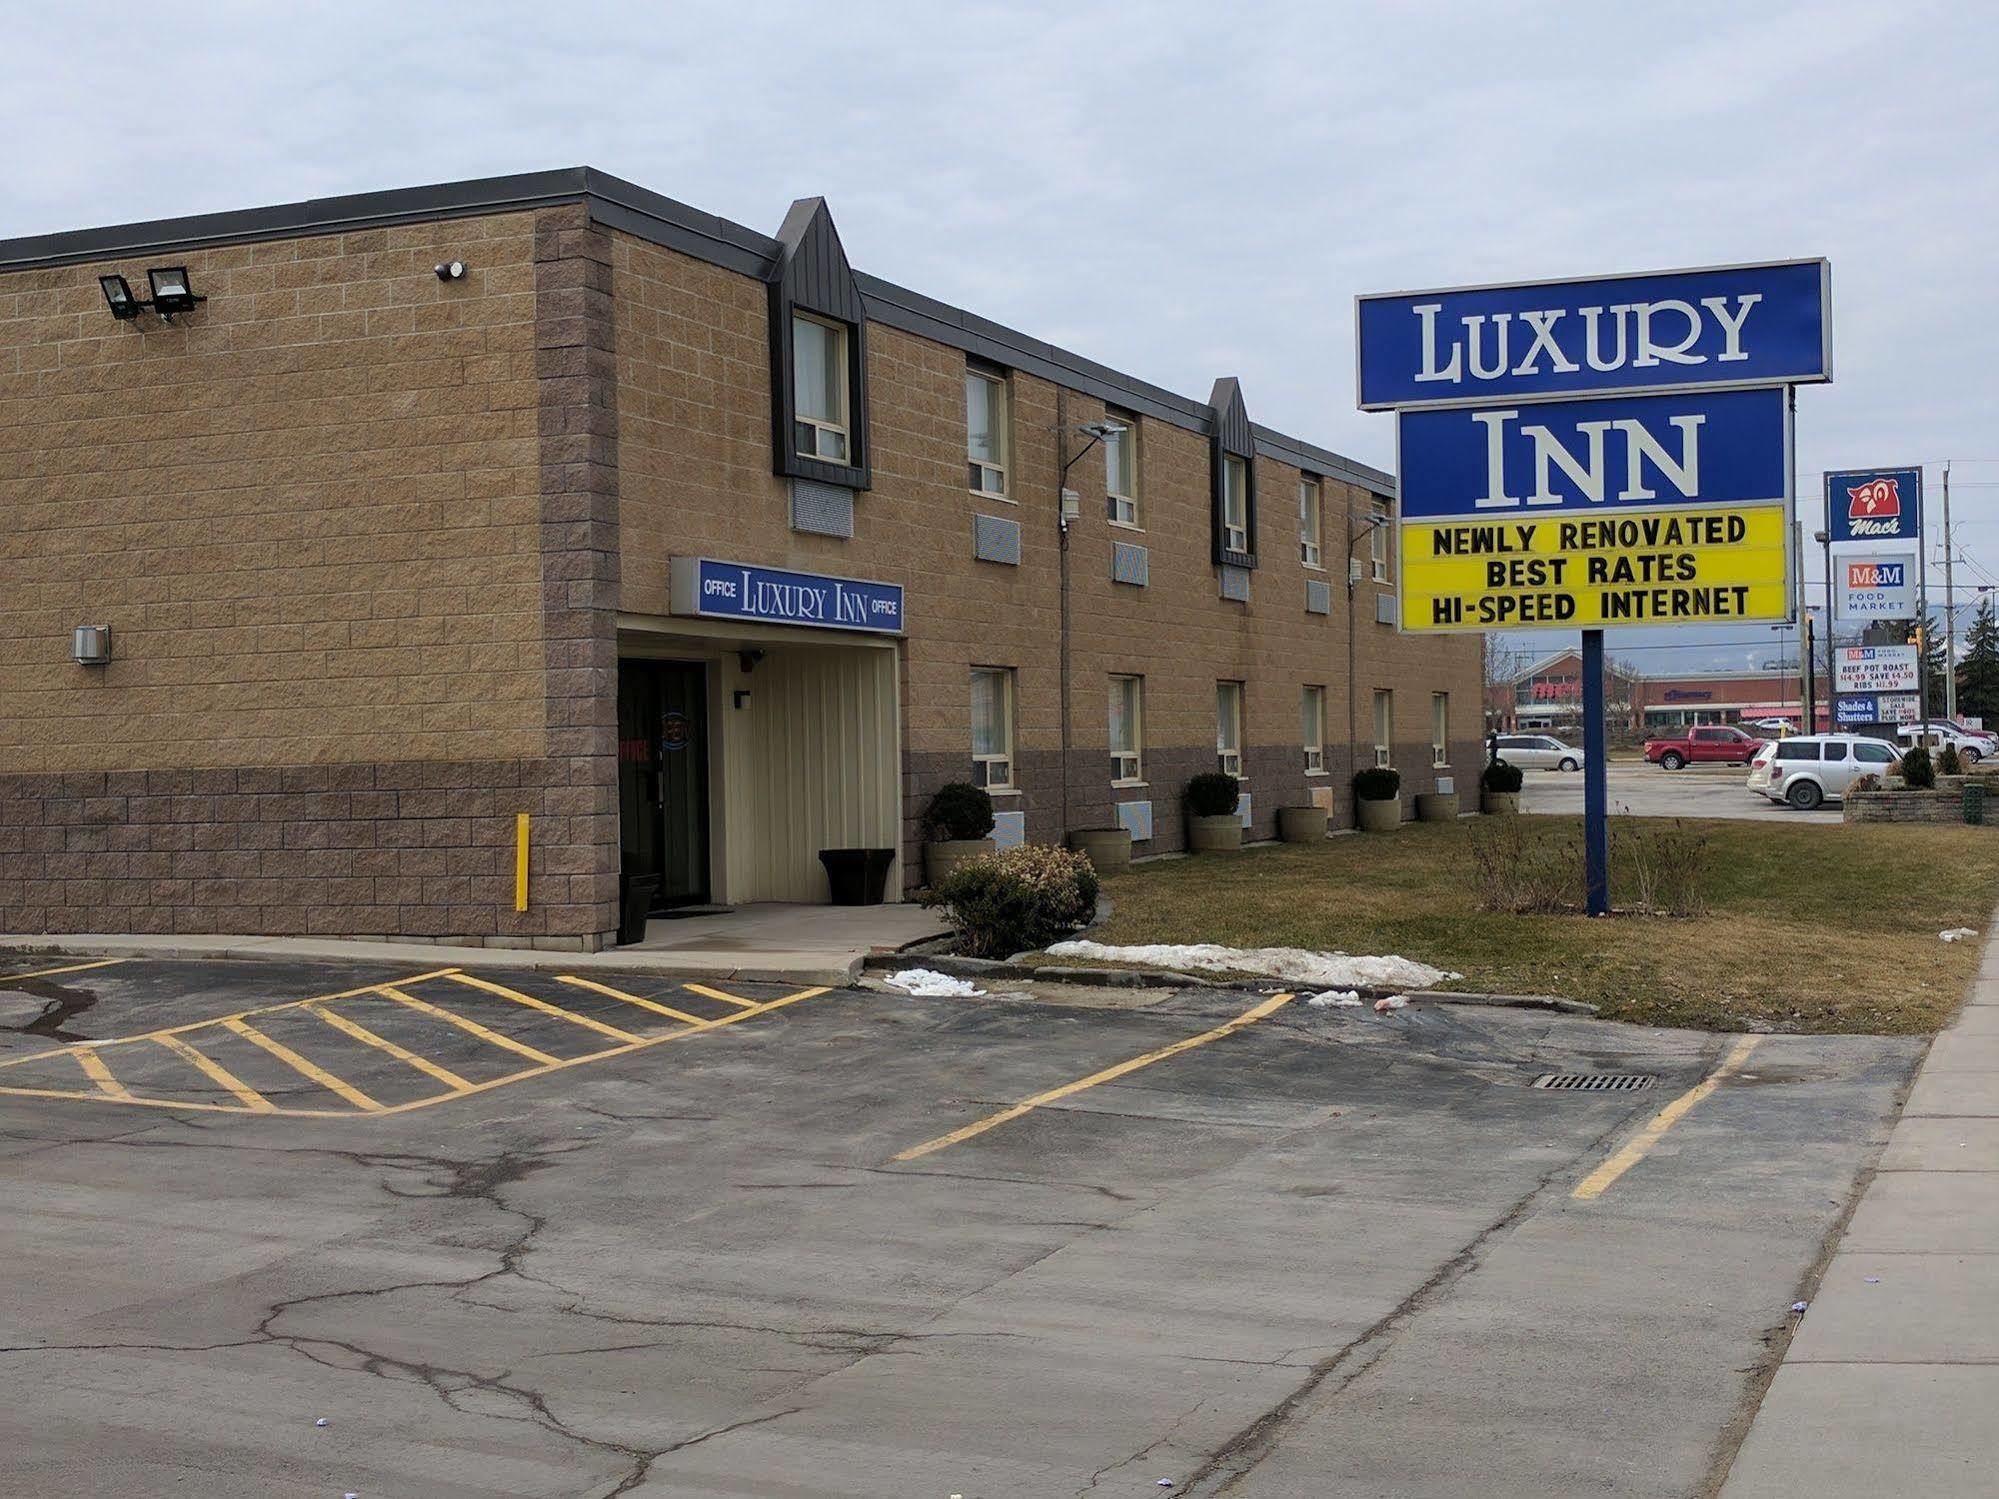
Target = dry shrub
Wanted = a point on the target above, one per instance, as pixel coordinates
(1666, 864)
(1521, 872)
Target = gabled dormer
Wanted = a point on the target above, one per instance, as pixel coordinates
(1232, 453)
(818, 354)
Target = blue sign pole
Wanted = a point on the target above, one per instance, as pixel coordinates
(1596, 783)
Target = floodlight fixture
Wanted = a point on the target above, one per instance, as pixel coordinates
(172, 291)
(118, 297)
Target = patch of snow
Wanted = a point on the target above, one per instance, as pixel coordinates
(928, 983)
(1332, 997)
(1957, 934)
(1297, 965)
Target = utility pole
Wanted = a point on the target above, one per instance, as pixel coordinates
(1949, 610)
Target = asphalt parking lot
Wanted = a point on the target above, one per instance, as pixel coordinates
(742, 1240)
(1647, 791)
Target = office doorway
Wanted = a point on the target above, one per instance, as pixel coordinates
(663, 778)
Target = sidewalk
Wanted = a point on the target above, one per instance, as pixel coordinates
(1891, 1385)
(779, 943)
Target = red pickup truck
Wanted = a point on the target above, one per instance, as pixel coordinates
(1713, 743)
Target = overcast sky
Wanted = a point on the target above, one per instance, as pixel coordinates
(1179, 190)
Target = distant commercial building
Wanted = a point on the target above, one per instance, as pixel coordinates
(414, 513)
(1547, 695)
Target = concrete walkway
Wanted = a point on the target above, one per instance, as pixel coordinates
(779, 943)
(1892, 1382)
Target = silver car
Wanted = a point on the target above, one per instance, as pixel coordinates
(1808, 769)
(1539, 752)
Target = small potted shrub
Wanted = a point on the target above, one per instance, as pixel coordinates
(1213, 824)
(1302, 824)
(1377, 796)
(1499, 789)
(1918, 774)
(1949, 761)
(959, 825)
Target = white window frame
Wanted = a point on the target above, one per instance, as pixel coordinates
(1312, 720)
(1384, 726)
(1235, 503)
(1122, 509)
(1311, 522)
(978, 470)
(995, 771)
(1378, 543)
(842, 402)
(1128, 765)
(1440, 728)
(1229, 708)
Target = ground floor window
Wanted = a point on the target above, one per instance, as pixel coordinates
(1228, 727)
(992, 727)
(1312, 728)
(1384, 726)
(1440, 728)
(1127, 728)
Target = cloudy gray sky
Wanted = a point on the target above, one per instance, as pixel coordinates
(1180, 190)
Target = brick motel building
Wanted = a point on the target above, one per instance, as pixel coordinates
(406, 514)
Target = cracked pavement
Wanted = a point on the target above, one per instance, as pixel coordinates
(1333, 1253)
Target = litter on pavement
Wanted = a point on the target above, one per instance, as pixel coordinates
(928, 983)
(1390, 1002)
(1799, 1306)
(1331, 970)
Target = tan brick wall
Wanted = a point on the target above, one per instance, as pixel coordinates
(309, 513)
(695, 477)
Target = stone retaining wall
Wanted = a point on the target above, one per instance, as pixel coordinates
(1910, 806)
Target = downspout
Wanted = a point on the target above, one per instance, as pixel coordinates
(1062, 628)
(1353, 706)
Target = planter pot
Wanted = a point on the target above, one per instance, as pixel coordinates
(1499, 803)
(857, 876)
(1436, 806)
(634, 906)
(1212, 835)
(1107, 849)
(946, 854)
(1383, 816)
(1301, 824)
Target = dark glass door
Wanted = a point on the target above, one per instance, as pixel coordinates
(663, 777)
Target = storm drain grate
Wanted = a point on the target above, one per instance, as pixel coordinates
(1595, 1082)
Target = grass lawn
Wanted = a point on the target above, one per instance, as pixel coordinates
(1809, 928)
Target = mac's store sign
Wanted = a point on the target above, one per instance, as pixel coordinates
(714, 589)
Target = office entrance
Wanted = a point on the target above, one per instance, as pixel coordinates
(663, 778)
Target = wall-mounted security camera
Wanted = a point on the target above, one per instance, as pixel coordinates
(451, 270)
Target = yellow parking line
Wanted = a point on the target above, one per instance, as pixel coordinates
(648, 1004)
(1593, 1186)
(94, 1069)
(252, 1099)
(1026, 1106)
(471, 1027)
(299, 1064)
(178, 1103)
(726, 998)
(367, 1037)
(544, 1006)
(42, 973)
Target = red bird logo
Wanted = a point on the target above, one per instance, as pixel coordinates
(1874, 499)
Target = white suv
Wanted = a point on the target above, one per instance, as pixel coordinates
(1974, 747)
(1807, 769)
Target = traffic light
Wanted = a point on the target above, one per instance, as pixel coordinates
(1916, 637)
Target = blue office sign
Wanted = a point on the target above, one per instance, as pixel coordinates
(1874, 504)
(714, 589)
(1724, 326)
(1557, 457)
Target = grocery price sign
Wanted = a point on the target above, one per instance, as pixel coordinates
(1875, 669)
(1635, 510)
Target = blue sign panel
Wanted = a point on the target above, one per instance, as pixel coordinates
(1488, 345)
(1850, 708)
(1874, 504)
(732, 590)
(1685, 448)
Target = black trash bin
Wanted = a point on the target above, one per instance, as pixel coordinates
(859, 876)
(635, 907)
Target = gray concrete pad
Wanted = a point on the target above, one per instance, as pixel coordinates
(1902, 1308)
(1927, 1212)
(1647, 791)
(1934, 1144)
(1954, 1094)
(1963, 1051)
(1859, 1431)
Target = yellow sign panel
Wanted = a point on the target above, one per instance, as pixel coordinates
(1690, 565)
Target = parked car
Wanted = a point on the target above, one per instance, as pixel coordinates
(1971, 747)
(1771, 728)
(1807, 769)
(1539, 752)
(1704, 744)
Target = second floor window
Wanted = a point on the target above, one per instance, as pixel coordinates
(1121, 472)
(1235, 504)
(1228, 727)
(1309, 509)
(985, 433)
(1378, 543)
(819, 364)
(992, 727)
